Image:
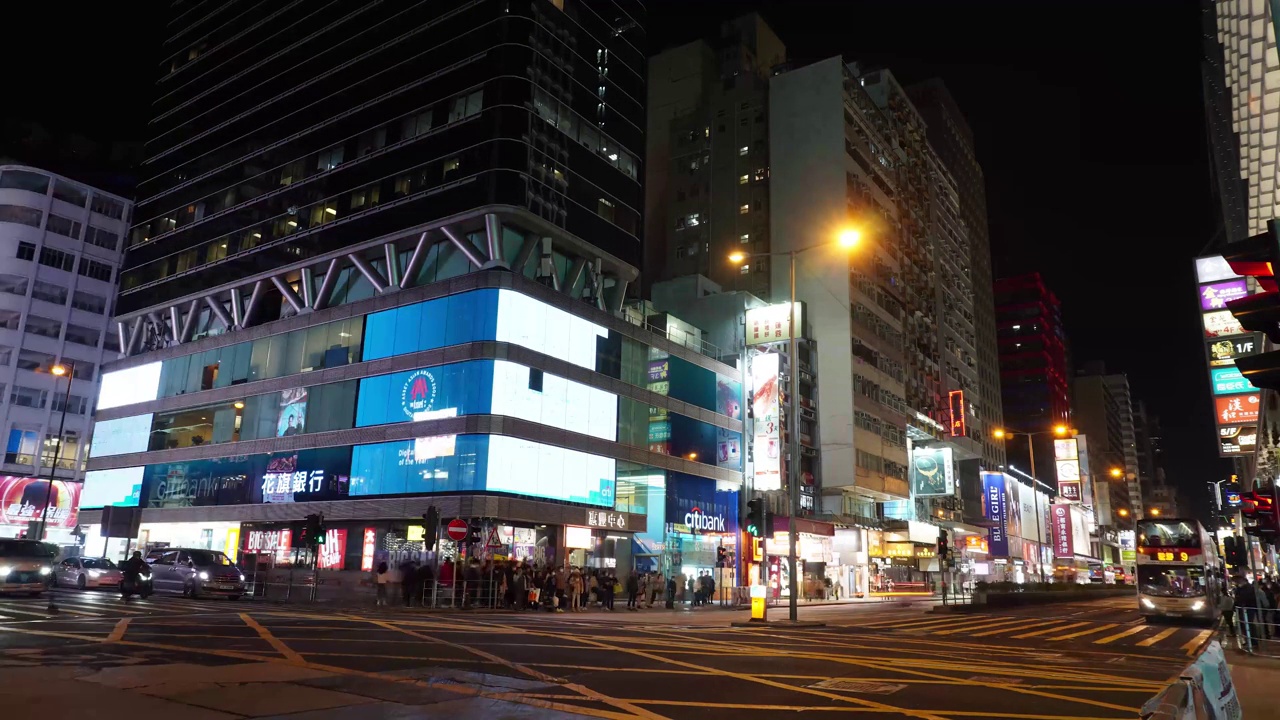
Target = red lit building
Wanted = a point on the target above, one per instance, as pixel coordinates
(1034, 383)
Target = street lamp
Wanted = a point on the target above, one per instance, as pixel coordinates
(1117, 473)
(847, 238)
(1154, 512)
(58, 370)
(1058, 430)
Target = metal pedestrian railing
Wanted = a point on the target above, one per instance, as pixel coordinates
(1256, 630)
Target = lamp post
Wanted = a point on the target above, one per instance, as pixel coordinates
(846, 239)
(1057, 431)
(58, 370)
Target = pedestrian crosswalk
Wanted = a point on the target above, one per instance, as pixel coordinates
(89, 605)
(1114, 635)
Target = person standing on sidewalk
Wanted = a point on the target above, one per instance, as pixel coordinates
(633, 589)
(381, 579)
(575, 590)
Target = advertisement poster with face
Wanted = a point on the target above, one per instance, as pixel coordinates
(293, 412)
(766, 409)
(23, 499)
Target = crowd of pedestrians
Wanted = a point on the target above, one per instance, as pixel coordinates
(1256, 605)
(515, 585)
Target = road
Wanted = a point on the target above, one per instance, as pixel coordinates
(223, 659)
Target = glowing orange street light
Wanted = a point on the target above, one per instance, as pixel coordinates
(58, 370)
(1155, 512)
(848, 238)
(1117, 473)
(737, 257)
(1061, 430)
(1123, 512)
(999, 433)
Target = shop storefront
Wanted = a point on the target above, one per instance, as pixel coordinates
(813, 556)
(701, 533)
(849, 571)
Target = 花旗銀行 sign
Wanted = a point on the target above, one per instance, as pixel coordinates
(1217, 295)
(1229, 381)
(1236, 409)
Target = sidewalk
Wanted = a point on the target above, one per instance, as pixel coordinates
(1257, 683)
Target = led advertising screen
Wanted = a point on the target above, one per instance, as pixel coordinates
(1221, 323)
(129, 386)
(1238, 440)
(23, 499)
(1217, 295)
(1224, 352)
(333, 553)
(293, 412)
(527, 468)
(931, 472)
(549, 330)
(1237, 409)
(1212, 269)
(530, 394)
(1229, 381)
(766, 408)
(120, 436)
(996, 509)
(120, 487)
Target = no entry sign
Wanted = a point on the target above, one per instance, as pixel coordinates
(457, 529)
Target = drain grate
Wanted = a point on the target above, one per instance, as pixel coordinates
(859, 686)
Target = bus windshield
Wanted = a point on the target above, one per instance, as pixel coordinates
(1171, 580)
(1171, 533)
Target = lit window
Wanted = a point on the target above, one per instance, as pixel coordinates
(745, 237)
(743, 150)
(694, 219)
(706, 131)
(745, 269)
(744, 209)
(450, 166)
(742, 179)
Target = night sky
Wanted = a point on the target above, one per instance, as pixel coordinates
(1087, 116)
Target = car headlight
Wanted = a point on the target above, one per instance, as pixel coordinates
(1197, 606)
(203, 575)
(241, 577)
(46, 570)
(95, 573)
(5, 570)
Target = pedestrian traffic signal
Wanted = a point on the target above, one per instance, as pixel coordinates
(312, 530)
(943, 547)
(756, 517)
(474, 530)
(431, 526)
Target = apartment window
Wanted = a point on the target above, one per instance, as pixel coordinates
(106, 206)
(102, 238)
(89, 302)
(21, 215)
(367, 197)
(745, 269)
(293, 172)
(6, 354)
(465, 106)
(43, 326)
(57, 259)
(67, 192)
(23, 447)
(695, 219)
(26, 251)
(451, 168)
(742, 121)
(83, 336)
(49, 292)
(415, 125)
(742, 179)
(75, 405)
(63, 226)
(95, 270)
(744, 150)
(744, 237)
(10, 319)
(403, 185)
(111, 343)
(605, 209)
(744, 209)
(28, 397)
(24, 180)
(371, 141)
(13, 284)
(35, 361)
(329, 159)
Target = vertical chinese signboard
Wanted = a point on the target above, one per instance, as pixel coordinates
(1066, 457)
(958, 426)
(1060, 518)
(766, 408)
(996, 508)
(1235, 399)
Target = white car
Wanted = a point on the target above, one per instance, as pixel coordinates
(87, 572)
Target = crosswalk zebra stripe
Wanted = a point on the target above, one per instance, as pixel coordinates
(979, 626)
(1049, 630)
(1123, 634)
(1157, 637)
(1026, 626)
(1082, 633)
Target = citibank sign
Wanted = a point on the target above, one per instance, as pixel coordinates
(698, 520)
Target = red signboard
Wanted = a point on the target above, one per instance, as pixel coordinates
(277, 543)
(1237, 409)
(333, 552)
(367, 547)
(22, 500)
(1060, 518)
(457, 529)
(957, 413)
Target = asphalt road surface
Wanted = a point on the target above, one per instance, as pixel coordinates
(1093, 659)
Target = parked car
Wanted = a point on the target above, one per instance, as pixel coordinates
(86, 572)
(195, 572)
(25, 566)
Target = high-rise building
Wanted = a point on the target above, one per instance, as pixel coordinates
(1034, 380)
(950, 136)
(60, 244)
(1230, 188)
(381, 265)
(1102, 411)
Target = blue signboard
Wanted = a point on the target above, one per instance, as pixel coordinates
(695, 503)
(1229, 381)
(996, 506)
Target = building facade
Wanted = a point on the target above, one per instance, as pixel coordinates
(61, 243)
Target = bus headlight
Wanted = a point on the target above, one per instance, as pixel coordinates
(4, 571)
(1197, 606)
(46, 570)
(1146, 603)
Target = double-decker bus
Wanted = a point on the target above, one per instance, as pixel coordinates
(1179, 572)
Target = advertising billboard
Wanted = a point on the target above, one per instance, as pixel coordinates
(1237, 440)
(695, 505)
(1069, 490)
(292, 417)
(1224, 352)
(1237, 409)
(1066, 453)
(766, 408)
(333, 553)
(120, 436)
(1221, 323)
(22, 499)
(1229, 381)
(130, 386)
(119, 487)
(772, 323)
(1060, 523)
(932, 472)
(996, 509)
(1212, 269)
(1217, 295)
(1065, 449)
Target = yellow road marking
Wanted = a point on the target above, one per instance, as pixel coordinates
(1050, 630)
(1024, 627)
(1194, 642)
(1082, 633)
(979, 626)
(1126, 633)
(117, 634)
(917, 624)
(1158, 637)
(839, 709)
(289, 653)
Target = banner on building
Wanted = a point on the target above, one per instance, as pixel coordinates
(996, 506)
(694, 505)
(23, 500)
(766, 409)
(1060, 519)
(931, 472)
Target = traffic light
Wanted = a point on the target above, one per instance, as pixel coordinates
(943, 546)
(1234, 551)
(1259, 258)
(431, 526)
(312, 530)
(473, 531)
(1259, 512)
(756, 517)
